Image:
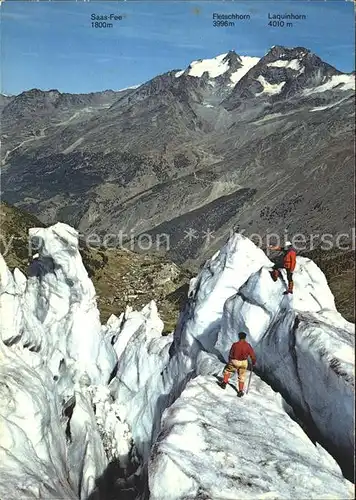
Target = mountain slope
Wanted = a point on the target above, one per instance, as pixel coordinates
(287, 73)
(120, 277)
(118, 274)
(281, 126)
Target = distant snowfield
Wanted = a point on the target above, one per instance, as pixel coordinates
(343, 82)
(133, 87)
(329, 106)
(71, 147)
(76, 395)
(269, 88)
(271, 116)
(293, 64)
(248, 63)
(217, 66)
(214, 67)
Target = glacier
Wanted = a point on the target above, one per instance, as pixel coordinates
(218, 66)
(343, 82)
(214, 446)
(55, 359)
(78, 396)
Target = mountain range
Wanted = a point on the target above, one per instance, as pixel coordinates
(263, 143)
(112, 358)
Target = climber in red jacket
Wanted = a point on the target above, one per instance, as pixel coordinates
(238, 361)
(289, 262)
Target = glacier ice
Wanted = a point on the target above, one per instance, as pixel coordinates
(218, 66)
(143, 354)
(340, 82)
(269, 88)
(247, 64)
(33, 452)
(213, 445)
(297, 342)
(291, 64)
(77, 395)
(215, 67)
(54, 358)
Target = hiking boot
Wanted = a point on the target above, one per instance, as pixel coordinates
(223, 385)
(240, 394)
(287, 292)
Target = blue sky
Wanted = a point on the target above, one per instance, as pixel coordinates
(51, 45)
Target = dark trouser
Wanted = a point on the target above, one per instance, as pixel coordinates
(276, 274)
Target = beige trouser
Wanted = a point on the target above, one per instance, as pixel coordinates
(236, 365)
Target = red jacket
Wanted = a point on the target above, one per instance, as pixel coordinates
(289, 258)
(242, 350)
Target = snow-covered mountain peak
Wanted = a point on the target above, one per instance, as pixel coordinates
(301, 60)
(229, 65)
(237, 66)
(247, 62)
(288, 73)
(230, 80)
(281, 70)
(214, 67)
(281, 52)
(298, 59)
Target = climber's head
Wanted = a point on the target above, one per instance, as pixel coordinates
(287, 244)
(35, 256)
(242, 335)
